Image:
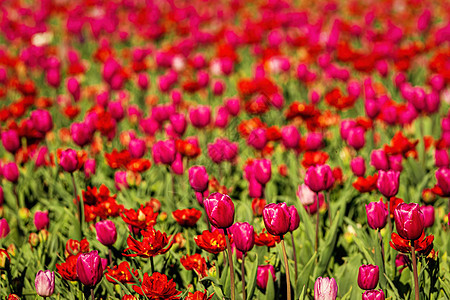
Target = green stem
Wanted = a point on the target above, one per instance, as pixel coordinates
(295, 257)
(244, 295)
(152, 264)
(317, 224)
(230, 262)
(92, 294)
(381, 245)
(188, 247)
(288, 279)
(416, 277)
(80, 206)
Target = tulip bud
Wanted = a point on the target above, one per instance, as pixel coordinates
(179, 123)
(346, 125)
(290, 136)
(358, 166)
(41, 219)
(11, 141)
(81, 133)
(377, 214)
(200, 116)
(243, 236)
(443, 180)
(42, 120)
(276, 218)
(177, 165)
(428, 215)
(319, 178)
(137, 148)
(388, 182)
(221, 117)
(373, 295)
(198, 178)
(379, 160)
(368, 277)
(73, 86)
(33, 239)
(69, 160)
(233, 106)
(325, 288)
(262, 170)
(218, 88)
(89, 168)
(314, 141)
(106, 232)
(164, 152)
(441, 158)
(409, 221)
(89, 268)
(121, 180)
(4, 228)
(220, 210)
(257, 138)
(294, 218)
(11, 172)
(262, 276)
(142, 81)
(356, 138)
(45, 283)
(5, 260)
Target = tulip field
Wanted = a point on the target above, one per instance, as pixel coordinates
(228, 149)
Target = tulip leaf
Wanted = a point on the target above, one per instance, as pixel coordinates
(302, 295)
(348, 294)
(303, 277)
(392, 287)
(251, 277)
(306, 220)
(327, 249)
(270, 289)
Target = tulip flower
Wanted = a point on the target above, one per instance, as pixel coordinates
(244, 239)
(164, 152)
(356, 138)
(69, 160)
(428, 215)
(89, 168)
(200, 116)
(4, 228)
(262, 170)
(443, 180)
(262, 276)
(41, 219)
(290, 136)
(368, 277)
(325, 289)
(137, 148)
(198, 178)
(11, 172)
(358, 166)
(45, 283)
(89, 269)
(379, 160)
(319, 178)
(277, 222)
(377, 215)
(11, 141)
(373, 295)
(441, 158)
(409, 221)
(106, 232)
(388, 182)
(257, 138)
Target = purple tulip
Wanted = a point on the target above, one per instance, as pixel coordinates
(243, 236)
(276, 218)
(69, 160)
(179, 123)
(200, 116)
(11, 141)
(106, 232)
(11, 172)
(73, 86)
(220, 210)
(443, 180)
(233, 106)
(89, 168)
(356, 138)
(89, 268)
(164, 152)
(346, 125)
(319, 178)
(428, 215)
(257, 138)
(379, 160)
(294, 218)
(358, 166)
(41, 219)
(45, 283)
(120, 180)
(441, 158)
(137, 148)
(262, 276)
(290, 136)
(4, 228)
(262, 170)
(388, 182)
(368, 277)
(198, 178)
(42, 120)
(409, 221)
(81, 133)
(377, 214)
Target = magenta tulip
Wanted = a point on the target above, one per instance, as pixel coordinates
(11, 172)
(42, 120)
(200, 116)
(388, 182)
(11, 141)
(262, 276)
(377, 215)
(276, 218)
(373, 295)
(4, 228)
(262, 170)
(164, 152)
(243, 236)
(443, 180)
(106, 232)
(325, 289)
(319, 178)
(89, 268)
(257, 138)
(409, 221)
(220, 210)
(368, 277)
(294, 218)
(428, 215)
(358, 166)
(198, 178)
(41, 219)
(290, 136)
(137, 148)
(89, 168)
(379, 160)
(69, 160)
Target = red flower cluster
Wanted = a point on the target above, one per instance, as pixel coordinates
(99, 203)
(74, 248)
(157, 287)
(423, 245)
(121, 273)
(366, 185)
(266, 239)
(194, 262)
(123, 160)
(187, 217)
(142, 219)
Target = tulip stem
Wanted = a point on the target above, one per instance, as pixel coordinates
(230, 262)
(416, 278)
(295, 256)
(422, 134)
(16, 196)
(327, 195)
(244, 296)
(152, 264)
(80, 205)
(317, 224)
(381, 245)
(92, 294)
(188, 247)
(288, 278)
(110, 256)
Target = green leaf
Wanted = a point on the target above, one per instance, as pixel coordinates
(306, 221)
(348, 294)
(303, 277)
(270, 289)
(251, 279)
